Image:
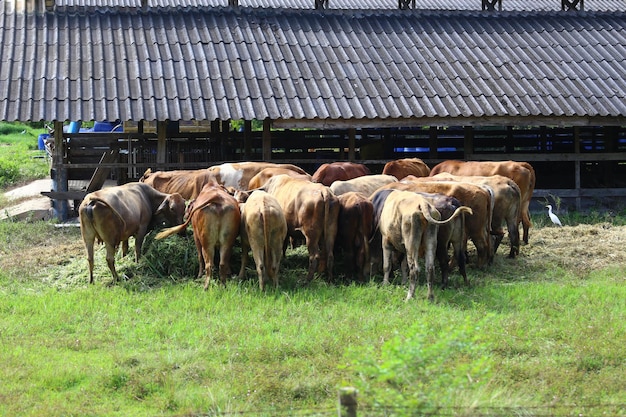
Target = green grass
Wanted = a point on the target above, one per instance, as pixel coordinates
(157, 344)
(20, 159)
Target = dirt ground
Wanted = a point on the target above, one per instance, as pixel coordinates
(26, 202)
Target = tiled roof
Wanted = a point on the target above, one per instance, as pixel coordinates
(360, 66)
(507, 5)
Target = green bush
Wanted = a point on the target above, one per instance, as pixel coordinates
(9, 172)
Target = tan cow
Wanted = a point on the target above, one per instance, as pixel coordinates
(409, 224)
(401, 168)
(339, 171)
(187, 183)
(263, 230)
(114, 214)
(506, 207)
(478, 224)
(354, 229)
(237, 175)
(311, 210)
(265, 174)
(215, 219)
(521, 172)
(365, 184)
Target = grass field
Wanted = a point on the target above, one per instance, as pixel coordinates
(540, 335)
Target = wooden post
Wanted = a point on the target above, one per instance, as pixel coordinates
(161, 156)
(267, 140)
(432, 142)
(59, 176)
(247, 139)
(351, 144)
(577, 168)
(468, 141)
(347, 402)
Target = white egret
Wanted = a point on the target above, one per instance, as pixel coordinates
(553, 217)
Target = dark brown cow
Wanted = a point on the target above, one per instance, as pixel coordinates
(237, 175)
(366, 184)
(521, 172)
(187, 183)
(409, 224)
(114, 214)
(339, 171)
(354, 228)
(311, 211)
(265, 174)
(506, 207)
(263, 230)
(401, 168)
(478, 224)
(215, 219)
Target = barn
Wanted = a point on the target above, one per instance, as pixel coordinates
(198, 82)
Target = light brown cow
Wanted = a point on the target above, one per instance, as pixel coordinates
(506, 207)
(215, 219)
(311, 210)
(339, 171)
(521, 172)
(478, 224)
(265, 174)
(263, 230)
(354, 228)
(114, 214)
(450, 234)
(366, 184)
(401, 168)
(409, 224)
(237, 175)
(187, 183)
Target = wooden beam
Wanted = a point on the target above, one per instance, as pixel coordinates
(351, 144)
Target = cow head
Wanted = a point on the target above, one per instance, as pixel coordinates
(171, 211)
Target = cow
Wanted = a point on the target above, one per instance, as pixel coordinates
(521, 172)
(480, 200)
(311, 210)
(401, 168)
(263, 230)
(365, 184)
(342, 170)
(114, 214)
(187, 183)
(237, 175)
(409, 224)
(506, 207)
(265, 174)
(215, 219)
(450, 234)
(354, 229)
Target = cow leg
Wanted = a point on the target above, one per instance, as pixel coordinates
(444, 262)
(526, 223)
(414, 270)
(312, 244)
(224, 267)
(89, 238)
(245, 247)
(125, 248)
(110, 256)
(430, 246)
(388, 250)
(513, 230)
(207, 253)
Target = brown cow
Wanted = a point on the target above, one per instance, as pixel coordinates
(311, 211)
(114, 214)
(521, 172)
(506, 207)
(409, 224)
(237, 175)
(265, 174)
(215, 219)
(366, 184)
(339, 171)
(401, 168)
(187, 183)
(263, 230)
(478, 224)
(354, 228)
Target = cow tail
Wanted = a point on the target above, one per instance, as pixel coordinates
(266, 236)
(99, 200)
(457, 212)
(176, 229)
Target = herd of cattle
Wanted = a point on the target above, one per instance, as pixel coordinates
(407, 213)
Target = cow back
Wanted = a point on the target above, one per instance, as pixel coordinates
(401, 168)
(339, 171)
